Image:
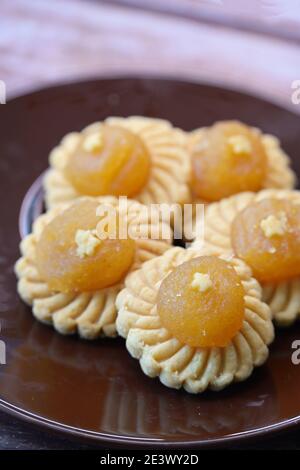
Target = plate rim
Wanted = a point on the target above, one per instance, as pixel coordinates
(23, 91)
(118, 440)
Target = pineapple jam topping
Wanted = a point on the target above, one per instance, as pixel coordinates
(112, 161)
(201, 302)
(230, 158)
(70, 256)
(266, 235)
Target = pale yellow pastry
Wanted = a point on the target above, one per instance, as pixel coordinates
(263, 229)
(71, 276)
(230, 157)
(194, 322)
(136, 157)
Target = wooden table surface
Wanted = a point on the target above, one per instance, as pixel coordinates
(43, 42)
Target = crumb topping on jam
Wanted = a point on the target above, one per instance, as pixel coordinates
(240, 144)
(93, 143)
(201, 282)
(273, 225)
(87, 242)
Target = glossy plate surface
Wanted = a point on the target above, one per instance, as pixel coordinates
(96, 390)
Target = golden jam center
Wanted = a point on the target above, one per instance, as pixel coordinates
(71, 258)
(112, 161)
(230, 158)
(266, 235)
(201, 302)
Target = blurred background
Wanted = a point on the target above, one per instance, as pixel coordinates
(252, 46)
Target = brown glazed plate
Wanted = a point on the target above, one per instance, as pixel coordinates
(95, 390)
